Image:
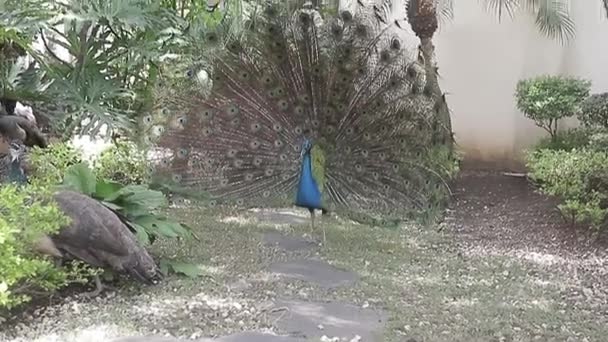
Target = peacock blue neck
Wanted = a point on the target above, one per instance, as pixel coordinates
(15, 172)
(308, 194)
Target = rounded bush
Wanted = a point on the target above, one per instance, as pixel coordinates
(594, 111)
(546, 99)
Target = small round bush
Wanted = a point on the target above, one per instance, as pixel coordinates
(546, 99)
(594, 111)
(123, 162)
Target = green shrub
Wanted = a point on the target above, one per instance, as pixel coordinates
(123, 162)
(48, 165)
(575, 138)
(547, 99)
(594, 111)
(25, 214)
(578, 177)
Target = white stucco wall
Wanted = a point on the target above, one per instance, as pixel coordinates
(481, 59)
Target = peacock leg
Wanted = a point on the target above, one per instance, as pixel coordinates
(99, 287)
(312, 221)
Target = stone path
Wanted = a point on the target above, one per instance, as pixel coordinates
(297, 320)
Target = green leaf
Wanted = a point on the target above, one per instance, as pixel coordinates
(159, 226)
(140, 195)
(107, 191)
(164, 266)
(141, 234)
(80, 177)
(189, 270)
(112, 206)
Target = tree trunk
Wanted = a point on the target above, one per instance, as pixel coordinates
(432, 89)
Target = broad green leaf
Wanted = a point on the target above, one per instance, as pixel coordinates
(189, 270)
(141, 234)
(142, 196)
(107, 191)
(79, 177)
(164, 266)
(154, 224)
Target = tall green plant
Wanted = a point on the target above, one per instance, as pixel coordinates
(547, 99)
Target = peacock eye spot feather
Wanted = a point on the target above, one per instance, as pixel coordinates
(248, 177)
(346, 16)
(176, 178)
(182, 153)
(304, 19)
(235, 122)
(212, 37)
(257, 161)
(361, 31)
(207, 131)
(266, 194)
(336, 30)
(286, 176)
(254, 144)
(283, 157)
(365, 153)
(315, 123)
(147, 119)
(349, 179)
(367, 136)
(277, 127)
(269, 172)
(240, 201)
(376, 175)
(358, 168)
(212, 203)
(232, 153)
(278, 143)
(395, 167)
(298, 130)
(385, 56)
(238, 163)
(395, 44)
(350, 131)
(283, 105)
(255, 127)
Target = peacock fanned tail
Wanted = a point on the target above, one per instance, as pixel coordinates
(347, 84)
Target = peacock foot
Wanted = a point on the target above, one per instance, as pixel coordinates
(99, 288)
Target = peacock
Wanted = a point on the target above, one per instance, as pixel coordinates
(327, 114)
(10, 163)
(95, 235)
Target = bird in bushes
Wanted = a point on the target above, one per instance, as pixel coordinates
(95, 234)
(327, 115)
(22, 128)
(98, 237)
(10, 162)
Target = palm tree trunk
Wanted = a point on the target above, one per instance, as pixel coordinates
(432, 89)
(422, 16)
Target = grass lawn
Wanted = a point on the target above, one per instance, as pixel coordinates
(429, 288)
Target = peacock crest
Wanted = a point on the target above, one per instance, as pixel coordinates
(342, 94)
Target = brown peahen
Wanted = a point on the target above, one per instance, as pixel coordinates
(95, 234)
(324, 114)
(21, 128)
(98, 237)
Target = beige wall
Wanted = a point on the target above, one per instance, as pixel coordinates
(481, 59)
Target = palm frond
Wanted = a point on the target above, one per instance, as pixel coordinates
(552, 17)
(20, 80)
(502, 7)
(553, 20)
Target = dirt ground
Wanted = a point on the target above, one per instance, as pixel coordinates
(503, 266)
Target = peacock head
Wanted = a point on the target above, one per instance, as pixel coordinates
(306, 146)
(16, 149)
